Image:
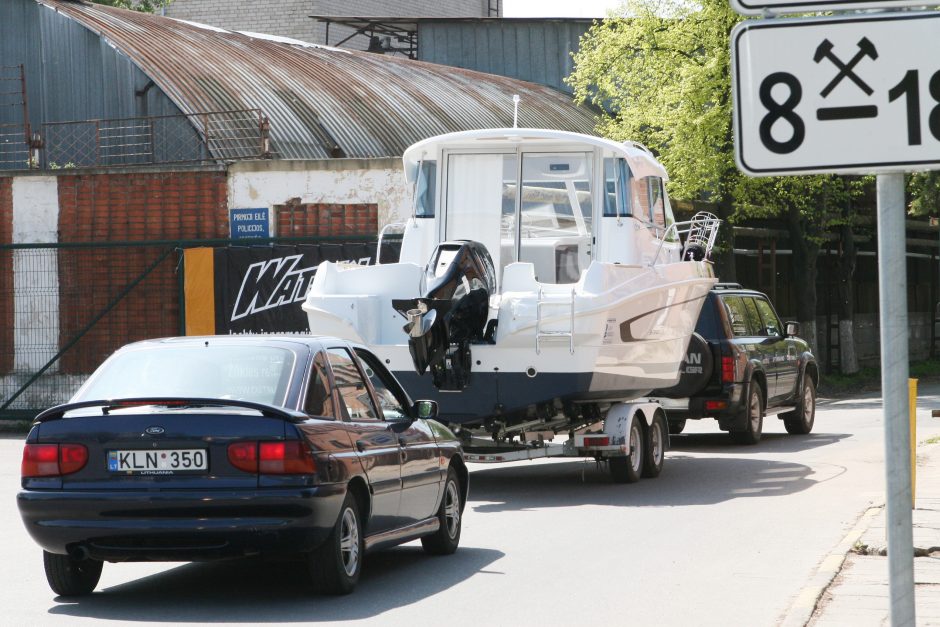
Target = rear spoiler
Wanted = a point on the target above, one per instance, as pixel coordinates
(54, 413)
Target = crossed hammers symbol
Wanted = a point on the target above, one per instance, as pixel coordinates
(865, 49)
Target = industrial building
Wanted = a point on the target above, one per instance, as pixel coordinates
(125, 134)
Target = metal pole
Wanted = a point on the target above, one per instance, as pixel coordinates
(892, 307)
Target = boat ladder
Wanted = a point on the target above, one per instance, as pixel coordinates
(553, 335)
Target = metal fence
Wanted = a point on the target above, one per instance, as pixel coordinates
(198, 137)
(14, 131)
(192, 138)
(66, 307)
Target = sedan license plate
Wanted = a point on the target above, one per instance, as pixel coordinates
(158, 461)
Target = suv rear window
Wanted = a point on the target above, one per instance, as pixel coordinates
(707, 325)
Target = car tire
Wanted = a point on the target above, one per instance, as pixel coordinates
(336, 565)
(800, 421)
(753, 411)
(628, 468)
(69, 577)
(445, 540)
(655, 454)
(676, 426)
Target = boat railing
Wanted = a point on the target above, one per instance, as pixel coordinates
(697, 236)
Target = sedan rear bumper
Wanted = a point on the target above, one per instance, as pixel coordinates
(180, 525)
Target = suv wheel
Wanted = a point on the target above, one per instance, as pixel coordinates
(800, 421)
(753, 417)
(676, 426)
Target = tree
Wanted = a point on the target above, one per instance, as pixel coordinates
(663, 75)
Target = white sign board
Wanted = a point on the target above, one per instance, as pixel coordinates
(857, 94)
(760, 7)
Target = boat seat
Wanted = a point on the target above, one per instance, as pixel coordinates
(519, 276)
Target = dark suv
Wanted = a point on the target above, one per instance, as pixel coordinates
(743, 364)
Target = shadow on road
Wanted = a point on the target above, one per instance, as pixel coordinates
(686, 480)
(254, 591)
(772, 443)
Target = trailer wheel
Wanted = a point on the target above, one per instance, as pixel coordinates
(655, 454)
(627, 468)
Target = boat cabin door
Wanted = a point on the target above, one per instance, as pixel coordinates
(546, 221)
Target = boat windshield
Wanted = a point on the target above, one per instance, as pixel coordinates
(545, 221)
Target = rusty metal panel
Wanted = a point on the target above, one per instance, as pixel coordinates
(322, 102)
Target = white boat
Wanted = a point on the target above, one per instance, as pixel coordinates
(534, 306)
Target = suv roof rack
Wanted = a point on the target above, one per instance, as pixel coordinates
(727, 286)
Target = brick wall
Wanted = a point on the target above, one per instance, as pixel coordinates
(6, 275)
(295, 219)
(291, 18)
(128, 208)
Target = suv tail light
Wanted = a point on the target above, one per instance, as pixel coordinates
(272, 458)
(727, 369)
(52, 460)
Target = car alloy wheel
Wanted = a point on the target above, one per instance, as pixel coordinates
(349, 542)
(452, 509)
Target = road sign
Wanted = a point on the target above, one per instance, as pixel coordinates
(858, 94)
(760, 7)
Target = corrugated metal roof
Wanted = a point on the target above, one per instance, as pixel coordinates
(321, 101)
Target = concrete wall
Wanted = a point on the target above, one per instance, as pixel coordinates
(291, 18)
(337, 181)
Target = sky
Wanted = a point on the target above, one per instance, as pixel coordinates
(557, 8)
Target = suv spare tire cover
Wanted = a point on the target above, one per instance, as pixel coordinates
(695, 370)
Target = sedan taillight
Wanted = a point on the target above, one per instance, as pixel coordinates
(52, 460)
(272, 458)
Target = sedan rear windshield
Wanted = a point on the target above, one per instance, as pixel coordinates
(249, 373)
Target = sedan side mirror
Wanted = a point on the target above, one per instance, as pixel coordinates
(793, 329)
(425, 409)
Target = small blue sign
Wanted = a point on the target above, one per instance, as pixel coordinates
(249, 223)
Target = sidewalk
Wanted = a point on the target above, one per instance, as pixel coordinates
(857, 594)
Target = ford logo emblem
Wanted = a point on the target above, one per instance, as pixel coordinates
(155, 430)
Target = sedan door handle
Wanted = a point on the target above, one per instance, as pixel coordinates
(360, 445)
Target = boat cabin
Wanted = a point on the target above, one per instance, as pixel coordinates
(555, 199)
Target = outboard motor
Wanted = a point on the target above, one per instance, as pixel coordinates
(452, 313)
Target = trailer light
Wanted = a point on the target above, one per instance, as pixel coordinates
(727, 370)
(713, 405)
(597, 441)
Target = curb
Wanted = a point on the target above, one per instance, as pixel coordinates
(803, 606)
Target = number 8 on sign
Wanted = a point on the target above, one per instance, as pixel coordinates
(781, 110)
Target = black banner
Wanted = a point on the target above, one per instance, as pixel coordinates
(259, 289)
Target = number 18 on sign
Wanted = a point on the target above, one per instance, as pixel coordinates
(857, 94)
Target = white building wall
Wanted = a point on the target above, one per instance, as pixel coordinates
(291, 18)
(342, 181)
(35, 272)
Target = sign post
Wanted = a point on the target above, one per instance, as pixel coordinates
(852, 94)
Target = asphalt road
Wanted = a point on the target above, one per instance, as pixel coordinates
(727, 535)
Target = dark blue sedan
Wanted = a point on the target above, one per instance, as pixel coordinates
(213, 447)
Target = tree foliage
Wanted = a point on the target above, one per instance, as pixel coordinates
(661, 70)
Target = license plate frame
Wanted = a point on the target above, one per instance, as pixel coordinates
(169, 461)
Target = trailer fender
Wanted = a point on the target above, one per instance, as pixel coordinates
(620, 419)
